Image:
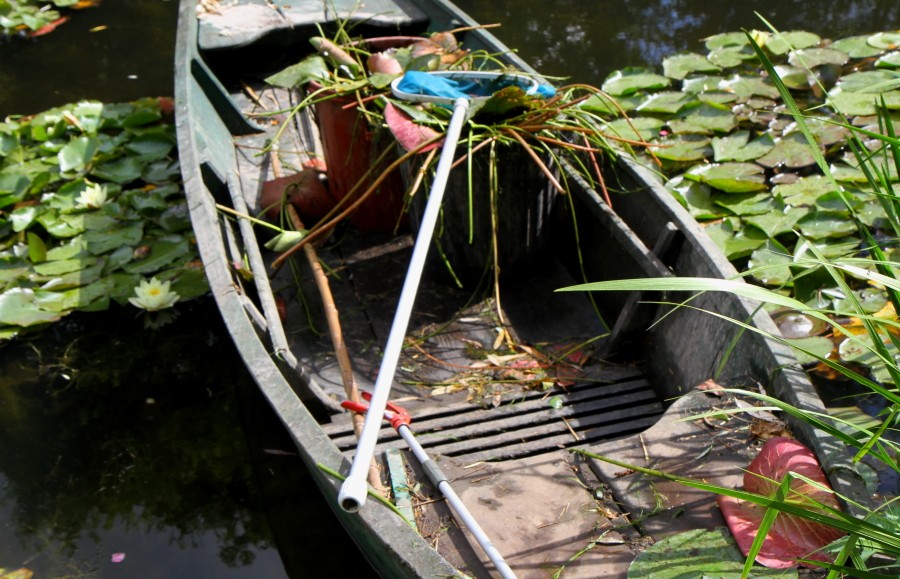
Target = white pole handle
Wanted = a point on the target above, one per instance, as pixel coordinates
(354, 489)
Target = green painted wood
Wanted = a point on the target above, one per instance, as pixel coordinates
(399, 483)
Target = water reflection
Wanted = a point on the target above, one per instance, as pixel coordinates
(588, 40)
(119, 440)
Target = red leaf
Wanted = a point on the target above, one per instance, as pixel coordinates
(50, 27)
(790, 537)
(408, 134)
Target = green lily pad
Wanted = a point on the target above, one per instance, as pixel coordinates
(121, 170)
(857, 47)
(830, 247)
(745, 204)
(870, 299)
(784, 42)
(779, 222)
(103, 241)
(701, 83)
(647, 128)
(684, 148)
(738, 147)
(804, 191)
(151, 146)
(606, 106)
(163, 252)
(717, 97)
(749, 86)
(770, 263)
(793, 77)
(865, 81)
(704, 118)
(813, 57)
(891, 60)
(859, 103)
(790, 151)
(77, 154)
(697, 553)
(667, 102)
(695, 197)
(885, 40)
(730, 56)
(735, 241)
(681, 65)
(18, 308)
(822, 224)
(819, 345)
(726, 39)
(630, 80)
(730, 177)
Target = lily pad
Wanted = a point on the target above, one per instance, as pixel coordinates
(725, 39)
(702, 83)
(684, 148)
(745, 204)
(630, 80)
(696, 198)
(819, 345)
(730, 177)
(784, 42)
(857, 47)
(891, 60)
(865, 81)
(859, 103)
(163, 252)
(790, 151)
(681, 65)
(730, 56)
(748, 86)
(778, 222)
(885, 40)
(18, 308)
(704, 118)
(821, 224)
(793, 77)
(771, 264)
(813, 57)
(667, 102)
(738, 147)
(697, 553)
(804, 191)
(77, 154)
(735, 241)
(641, 128)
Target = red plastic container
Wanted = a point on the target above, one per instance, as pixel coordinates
(351, 147)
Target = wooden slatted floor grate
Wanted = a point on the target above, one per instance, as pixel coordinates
(610, 403)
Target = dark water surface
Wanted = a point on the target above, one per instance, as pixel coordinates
(156, 445)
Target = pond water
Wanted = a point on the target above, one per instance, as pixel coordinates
(155, 445)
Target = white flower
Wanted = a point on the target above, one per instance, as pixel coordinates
(154, 295)
(93, 197)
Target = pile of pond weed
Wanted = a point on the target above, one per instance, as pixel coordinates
(58, 254)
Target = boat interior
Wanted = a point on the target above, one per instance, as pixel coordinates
(503, 377)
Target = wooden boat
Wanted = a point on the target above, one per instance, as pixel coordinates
(501, 428)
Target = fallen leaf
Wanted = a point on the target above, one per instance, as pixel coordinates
(790, 537)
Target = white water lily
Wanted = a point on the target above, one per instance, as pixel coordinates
(154, 295)
(93, 197)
